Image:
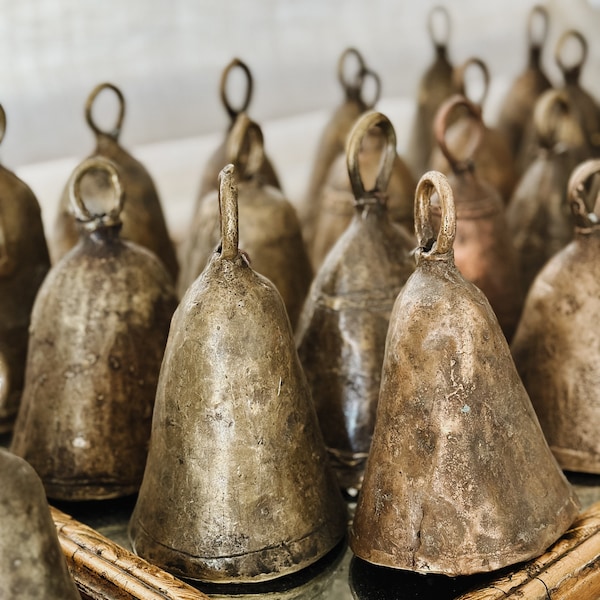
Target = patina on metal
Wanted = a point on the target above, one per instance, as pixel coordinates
(483, 250)
(32, 564)
(459, 479)
(237, 485)
(337, 194)
(98, 331)
(341, 334)
(492, 157)
(142, 216)
(269, 232)
(556, 343)
(516, 112)
(436, 85)
(538, 214)
(332, 143)
(24, 262)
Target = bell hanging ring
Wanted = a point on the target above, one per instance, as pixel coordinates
(98, 330)
(142, 217)
(237, 487)
(341, 334)
(24, 262)
(459, 478)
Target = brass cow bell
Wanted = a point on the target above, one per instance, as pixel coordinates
(483, 250)
(219, 158)
(437, 84)
(32, 565)
(237, 487)
(341, 335)
(270, 229)
(24, 262)
(459, 479)
(142, 216)
(98, 331)
(332, 143)
(556, 343)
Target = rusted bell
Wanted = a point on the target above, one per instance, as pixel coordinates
(341, 335)
(219, 158)
(538, 214)
(483, 249)
(24, 262)
(270, 230)
(142, 217)
(492, 157)
(555, 348)
(337, 195)
(237, 487)
(332, 143)
(585, 108)
(459, 479)
(98, 331)
(32, 565)
(516, 112)
(436, 85)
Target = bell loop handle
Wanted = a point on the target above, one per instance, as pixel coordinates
(429, 246)
(571, 72)
(2, 123)
(550, 109)
(539, 15)
(459, 78)
(353, 83)
(236, 63)
(116, 131)
(228, 210)
(90, 220)
(440, 126)
(365, 76)
(245, 147)
(441, 14)
(585, 220)
(376, 195)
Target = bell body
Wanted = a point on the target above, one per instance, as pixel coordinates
(32, 564)
(98, 331)
(555, 352)
(142, 216)
(237, 486)
(269, 233)
(459, 479)
(24, 262)
(341, 334)
(585, 109)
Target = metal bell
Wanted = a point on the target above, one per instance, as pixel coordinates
(337, 197)
(492, 158)
(219, 157)
(483, 250)
(437, 84)
(459, 479)
(341, 334)
(332, 143)
(516, 112)
(270, 229)
(538, 214)
(98, 330)
(24, 262)
(237, 487)
(32, 565)
(142, 217)
(556, 342)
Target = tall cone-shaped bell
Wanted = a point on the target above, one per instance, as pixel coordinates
(237, 486)
(24, 262)
(437, 84)
(459, 479)
(98, 331)
(556, 343)
(32, 565)
(142, 216)
(269, 231)
(341, 335)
